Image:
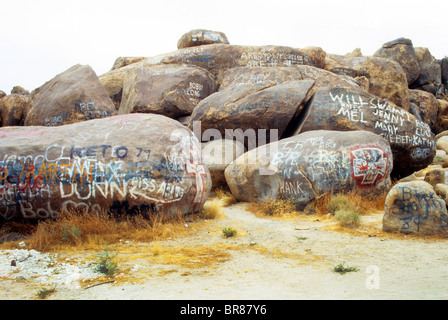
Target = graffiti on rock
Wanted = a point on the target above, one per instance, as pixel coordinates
(369, 165)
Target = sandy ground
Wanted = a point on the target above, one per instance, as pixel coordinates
(282, 259)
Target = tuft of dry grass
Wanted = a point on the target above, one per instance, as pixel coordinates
(225, 196)
(91, 230)
(278, 208)
(353, 200)
(212, 209)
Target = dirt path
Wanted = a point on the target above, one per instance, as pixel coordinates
(267, 259)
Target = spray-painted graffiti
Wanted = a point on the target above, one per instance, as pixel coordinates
(415, 206)
(84, 176)
(369, 165)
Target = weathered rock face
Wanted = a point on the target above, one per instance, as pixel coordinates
(12, 109)
(72, 96)
(322, 78)
(427, 107)
(217, 58)
(201, 37)
(414, 207)
(402, 51)
(317, 56)
(430, 72)
(169, 90)
(336, 108)
(20, 90)
(442, 118)
(387, 78)
(217, 155)
(243, 111)
(95, 165)
(303, 167)
(125, 61)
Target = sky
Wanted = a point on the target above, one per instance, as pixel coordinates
(42, 38)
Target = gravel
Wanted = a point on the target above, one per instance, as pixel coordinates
(45, 268)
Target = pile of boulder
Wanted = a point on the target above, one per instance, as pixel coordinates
(156, 134)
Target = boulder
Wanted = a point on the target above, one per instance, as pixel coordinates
(304, 167)
(251, 111)
(12, 108)
(2, 94)
(217, 155)
(435, 176)
(126, 164)
(336, 108)
(20, 90)
(72, 96)
(317, 56)
(442, 143)
(427, 107)
(414, 208)
(217, 58)
(444, 71)
(169, 90)
(430, 78)
(200, 37)
(402, 51)
(442, 119)
(121, 62)
(246, 75)
(386, 77)
(441, 159)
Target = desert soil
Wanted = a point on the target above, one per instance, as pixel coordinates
(269, 258)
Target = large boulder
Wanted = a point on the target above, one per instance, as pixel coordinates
(246, 75)
(126, 164)
(125, 61)
(169, 90)
(200, 37)
(217, 58)
(386, 77)
(430, 78)
(72, 96)
(442, 118)
(12, 108)
(336, 108)
(217, 155)
(249, 110)
(402, 51)
(414, 207)
(304, 167)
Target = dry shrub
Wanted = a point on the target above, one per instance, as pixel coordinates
(212, 209)
(91, 230)
(273, 207)
(225, 196)
(353, 200)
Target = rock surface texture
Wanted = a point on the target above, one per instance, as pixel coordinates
(94, 165)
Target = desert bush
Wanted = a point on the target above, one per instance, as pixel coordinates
(212, 208)
(278, 207)
(229, 232)
(347, 218)
(106, 262)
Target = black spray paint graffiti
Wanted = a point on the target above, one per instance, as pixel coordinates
(414, 207)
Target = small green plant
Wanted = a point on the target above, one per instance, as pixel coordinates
(347, 218)
(301, 238)
(342, 269)
(228, 232)
(70, 233)
(44, 293)
(106, 262)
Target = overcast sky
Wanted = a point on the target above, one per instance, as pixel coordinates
(42, 38)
